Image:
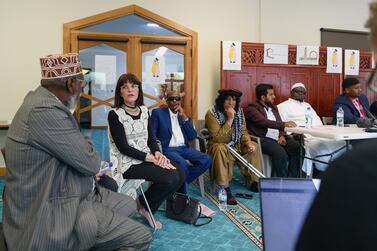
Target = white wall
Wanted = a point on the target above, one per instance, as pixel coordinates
(298, 22)
(31, 29)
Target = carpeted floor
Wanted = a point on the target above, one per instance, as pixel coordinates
(239, 228)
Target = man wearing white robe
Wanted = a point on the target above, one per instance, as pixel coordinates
(294, 109)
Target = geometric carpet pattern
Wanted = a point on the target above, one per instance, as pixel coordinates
(236, 229)
(244, 218)
(239, 228)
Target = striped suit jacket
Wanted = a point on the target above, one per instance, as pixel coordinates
(50, 169)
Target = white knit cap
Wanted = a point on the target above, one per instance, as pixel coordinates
(298, 85)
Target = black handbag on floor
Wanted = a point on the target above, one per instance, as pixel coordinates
(184, 208)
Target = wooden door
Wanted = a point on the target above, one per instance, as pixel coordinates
(177, 72)
(106, 61)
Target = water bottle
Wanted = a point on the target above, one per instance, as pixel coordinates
(105, 166)
(340, 117)
(308, 117)
(222, 199)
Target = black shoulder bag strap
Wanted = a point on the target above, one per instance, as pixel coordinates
(200, 216)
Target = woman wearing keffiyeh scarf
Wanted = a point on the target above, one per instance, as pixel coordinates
(226, 125)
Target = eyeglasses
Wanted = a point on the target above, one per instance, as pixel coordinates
(130, 87)
(174, 98)
(370, 84)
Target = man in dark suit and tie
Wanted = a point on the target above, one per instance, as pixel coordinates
(52, 201)
(353, 103)
(173, 129)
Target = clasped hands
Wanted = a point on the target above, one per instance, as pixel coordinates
(159, 160)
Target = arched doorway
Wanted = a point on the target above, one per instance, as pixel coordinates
(132, 39)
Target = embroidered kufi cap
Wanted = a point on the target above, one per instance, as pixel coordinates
(60, 66)
(298, 85)
(230, 92)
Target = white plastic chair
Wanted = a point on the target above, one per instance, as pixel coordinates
(265, 159)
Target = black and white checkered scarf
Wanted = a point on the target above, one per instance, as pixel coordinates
(236, 125)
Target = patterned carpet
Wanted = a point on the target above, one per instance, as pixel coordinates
(243, 217)
(239, 228)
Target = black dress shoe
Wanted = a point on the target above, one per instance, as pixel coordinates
(254, 187)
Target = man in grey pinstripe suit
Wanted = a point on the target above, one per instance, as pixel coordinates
(51, 200)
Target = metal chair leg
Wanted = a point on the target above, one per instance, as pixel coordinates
(148, 208)
(201, 185)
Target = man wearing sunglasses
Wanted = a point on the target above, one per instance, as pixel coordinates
(172, 127)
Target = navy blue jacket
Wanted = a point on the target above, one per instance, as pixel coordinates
(162, 130)
(351, 114)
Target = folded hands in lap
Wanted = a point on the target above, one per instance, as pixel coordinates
(159, 160)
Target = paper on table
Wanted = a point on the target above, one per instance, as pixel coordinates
(325, 127)
(206, 210)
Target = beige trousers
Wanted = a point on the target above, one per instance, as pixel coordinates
(223, 163)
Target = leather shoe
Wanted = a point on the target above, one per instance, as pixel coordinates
(254, 187)
(231, 201)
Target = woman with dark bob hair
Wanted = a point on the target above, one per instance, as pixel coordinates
(134, 148)
(226, 125)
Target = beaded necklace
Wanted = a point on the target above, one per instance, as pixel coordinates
(134, 110)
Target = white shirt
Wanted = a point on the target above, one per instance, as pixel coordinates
(293, 110)
(177, 138)
(271, 133)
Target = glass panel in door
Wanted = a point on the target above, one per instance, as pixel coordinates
(162, 71)
(106, 62)
(132, 24)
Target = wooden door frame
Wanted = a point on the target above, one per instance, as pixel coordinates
(184, 50)
(117, 44)
(72, 32)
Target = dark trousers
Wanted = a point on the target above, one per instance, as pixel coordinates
(199, 162)
(285, 159)
(164, 181)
